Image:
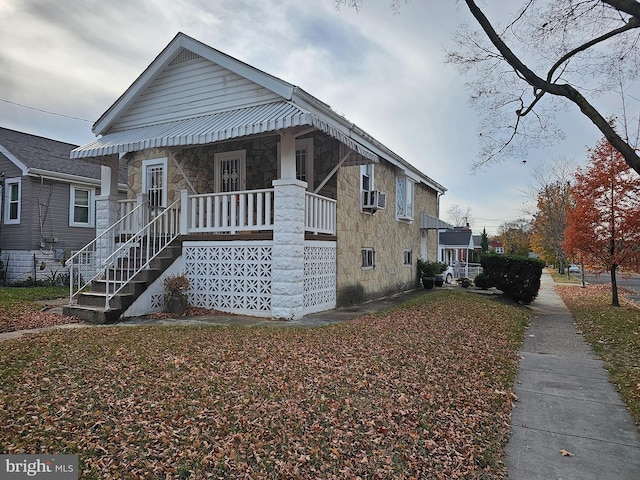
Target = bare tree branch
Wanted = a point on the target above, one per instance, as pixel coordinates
(561, 90)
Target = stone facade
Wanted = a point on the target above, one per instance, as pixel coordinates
(197, 164)
(388, 236)
(382, 231)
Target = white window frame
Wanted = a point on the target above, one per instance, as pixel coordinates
(306, 145)
(303, 144)
(366, 176)
(405, 206)
(241, 156)
(91, 220)
(8, 183)
(368, 258)
(155, 162)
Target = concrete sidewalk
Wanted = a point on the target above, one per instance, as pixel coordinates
(566, 403)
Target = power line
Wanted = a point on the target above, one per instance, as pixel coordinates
(46, 111)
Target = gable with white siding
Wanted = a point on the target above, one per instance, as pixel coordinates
(192, 86)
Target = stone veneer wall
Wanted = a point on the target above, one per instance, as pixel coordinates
(197, 164)
(381, 231)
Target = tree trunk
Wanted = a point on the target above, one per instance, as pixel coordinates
(615, 302)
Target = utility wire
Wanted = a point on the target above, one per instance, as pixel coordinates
(46, 111)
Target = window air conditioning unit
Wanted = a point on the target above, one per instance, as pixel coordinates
(374, 200)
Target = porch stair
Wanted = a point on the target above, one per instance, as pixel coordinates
(90, 305)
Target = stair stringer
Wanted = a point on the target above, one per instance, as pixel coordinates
(152, 299)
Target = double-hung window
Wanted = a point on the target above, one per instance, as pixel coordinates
(404, 198)
(368, 258)
(366, 183)
(304, 161)
(81, 207)
(12, 200)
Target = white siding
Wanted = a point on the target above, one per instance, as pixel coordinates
(191, 89)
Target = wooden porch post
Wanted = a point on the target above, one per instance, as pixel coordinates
(287, 268)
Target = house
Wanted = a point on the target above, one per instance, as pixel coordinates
(270, 202)
(455, 248)
(47, 205)
(495, 245)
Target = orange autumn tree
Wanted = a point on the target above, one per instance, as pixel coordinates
(603, 224)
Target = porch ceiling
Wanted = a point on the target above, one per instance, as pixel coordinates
(215, 128)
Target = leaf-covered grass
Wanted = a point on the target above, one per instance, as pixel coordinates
(614, 335)
(563, 278)
(19, 308)
(10, 297)
(420, 391)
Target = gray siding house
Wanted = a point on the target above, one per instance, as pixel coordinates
(47, 205)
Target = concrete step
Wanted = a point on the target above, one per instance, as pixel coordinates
(97, 299)
(93, 315)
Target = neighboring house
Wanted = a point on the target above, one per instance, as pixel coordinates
(278, 205)
(455, 248)
(47, 205)
(495, 245)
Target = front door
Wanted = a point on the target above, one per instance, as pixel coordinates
(154, 182)
(230, 171)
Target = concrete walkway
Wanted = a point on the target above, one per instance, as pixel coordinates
(566, 403)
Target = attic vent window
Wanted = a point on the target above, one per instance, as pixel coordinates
(184, 56)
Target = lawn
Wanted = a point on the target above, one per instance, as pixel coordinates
(563, 278)
(20, 310)
(614, 335)
(420, 391)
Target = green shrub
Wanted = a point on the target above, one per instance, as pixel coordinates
(430, 269)
(517, 277)
(482, 281)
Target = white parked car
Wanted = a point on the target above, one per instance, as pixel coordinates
(573, 268)
(448, 274)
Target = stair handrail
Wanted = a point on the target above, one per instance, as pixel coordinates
(155, 237)
(91, 248)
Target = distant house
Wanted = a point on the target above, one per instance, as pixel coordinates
(495, 245)
(455, 245)
(273, 204)
(48, 204)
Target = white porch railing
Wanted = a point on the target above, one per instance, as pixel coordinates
(137, 252)
(471, 270)
(130, 225)
(83, 264)
(231, 212)
(320, 214)
(249, 210)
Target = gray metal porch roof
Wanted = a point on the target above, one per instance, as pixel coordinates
(214, 128)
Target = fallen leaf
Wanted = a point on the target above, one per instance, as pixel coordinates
(565, 453)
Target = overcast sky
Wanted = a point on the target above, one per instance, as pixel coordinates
(385, 72)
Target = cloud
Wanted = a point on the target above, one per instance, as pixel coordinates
(383, 71)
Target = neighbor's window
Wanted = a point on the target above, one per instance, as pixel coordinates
(408, 258)
(13, 193)
(368, 258)
(81, 207)
(404, 198)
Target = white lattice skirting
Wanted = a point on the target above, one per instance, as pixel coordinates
(319, 276)
(236, 277)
